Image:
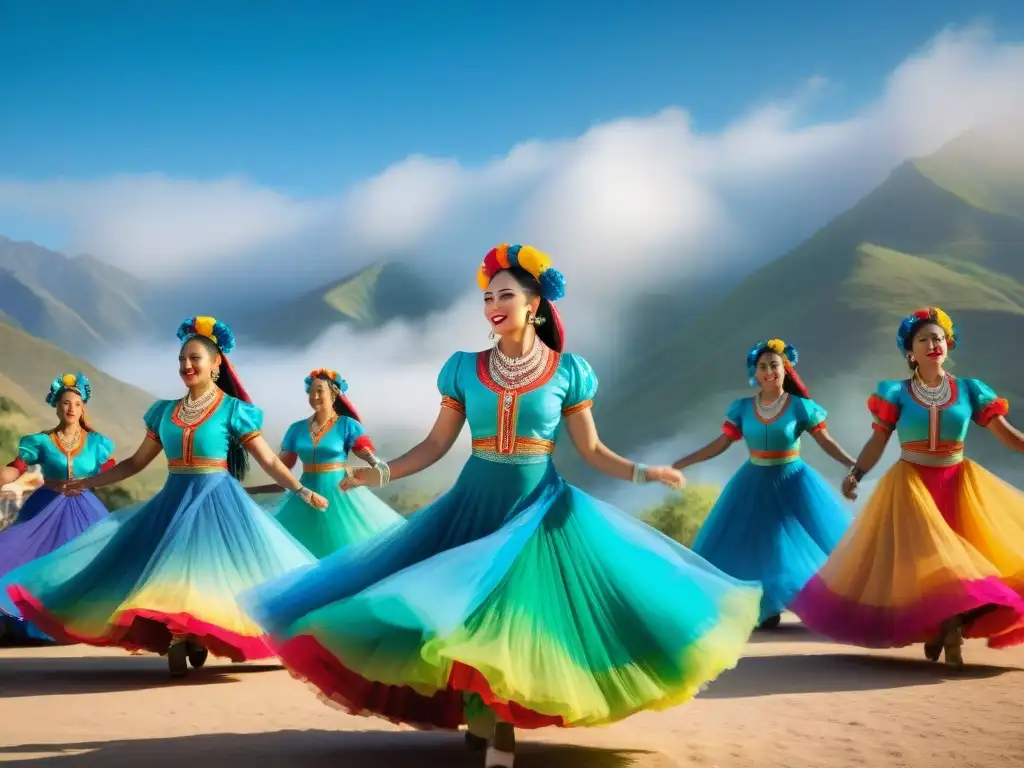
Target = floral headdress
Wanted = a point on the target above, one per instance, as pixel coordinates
(910, 324)
(327, 375)
(786, 351)
(69, 382)
(538, 264)
(340, 386)
(209, 328)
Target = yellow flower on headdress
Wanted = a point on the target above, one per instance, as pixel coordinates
(204, 327)
(945, 322)
(778, 346)
(533, 261)
(69, 380)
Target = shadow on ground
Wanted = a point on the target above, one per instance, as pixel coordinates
(834, 672)
(68, 676)
(313, 749)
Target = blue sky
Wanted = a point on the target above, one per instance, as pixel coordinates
(308, 96)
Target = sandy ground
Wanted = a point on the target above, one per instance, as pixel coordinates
(794, 701)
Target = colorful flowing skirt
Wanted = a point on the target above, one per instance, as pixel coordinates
(932, 543)
(47, 521)
(173, 565)
(514, 588)
(776, 525)
(349, 518)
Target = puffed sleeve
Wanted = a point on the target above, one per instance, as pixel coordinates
(356, 438)
(884, 404)
(985, 403)
(582, 389)
(812, 418)
(152, 420)
(290, 441)
(245, 421)
(732, 427)
(103, 447)
(450, 385)
(29, 448)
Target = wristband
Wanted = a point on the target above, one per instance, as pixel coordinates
(856, 473)
(639, 473)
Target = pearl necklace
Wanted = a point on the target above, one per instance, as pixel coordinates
(933, 397)
(770, 411)
(317, 430)
(68, 445)
(190, 411)
(517, 372)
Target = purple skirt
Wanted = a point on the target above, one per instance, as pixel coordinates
(46, 522)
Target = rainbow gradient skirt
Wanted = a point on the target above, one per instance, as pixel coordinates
(172, 565)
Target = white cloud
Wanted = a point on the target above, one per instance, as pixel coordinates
(618, 208)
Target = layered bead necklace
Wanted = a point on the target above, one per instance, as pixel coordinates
(66, 444)
(769, 412)
(192, 410)
(518, 372)
(932, 397)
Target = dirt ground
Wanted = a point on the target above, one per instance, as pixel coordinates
(793, 701)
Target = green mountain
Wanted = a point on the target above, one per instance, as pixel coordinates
(78, 303)
(27, 366)
(944, 230)
(365, 299)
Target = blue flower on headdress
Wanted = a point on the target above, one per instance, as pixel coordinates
(210, 328)
(552, 284)
(328, 375)
(778, 346)
(76, 382)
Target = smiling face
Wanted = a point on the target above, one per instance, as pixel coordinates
(770, 372)
(930, 345)
(196, 362)
(321, 396)
(70, 407)
(507, 305)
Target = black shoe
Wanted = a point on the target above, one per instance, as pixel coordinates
(177, 659)
(771, 622)
(197, 655)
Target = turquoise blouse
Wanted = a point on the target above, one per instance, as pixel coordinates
(934, 439)
(331, 447)
(777, 440)
(202, 447)
(515, 425)
(44, 449)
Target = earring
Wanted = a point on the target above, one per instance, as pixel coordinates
(215, 374)
(538, 321)
(531, 319)
(491, 336)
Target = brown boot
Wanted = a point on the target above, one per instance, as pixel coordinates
(502, 752)
(933, 648)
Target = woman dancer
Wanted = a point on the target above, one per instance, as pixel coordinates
(777, 520)
(323, 442)
(164, 576)
(50, 519)
(938, 552)
(515, 595)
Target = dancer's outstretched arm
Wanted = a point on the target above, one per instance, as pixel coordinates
(289, 459)
(260, 450)
(9, 475)
(1008, 434)
(716, 447)
(138, 461)
(869, 456)
(832, 448)
(425, 454)
(583, 433)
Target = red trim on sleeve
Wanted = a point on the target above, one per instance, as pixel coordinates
(108, 464)
(885, 412)
(363, 443)
(731, 431)
(999, 407)
(821, 425)
(19, 464)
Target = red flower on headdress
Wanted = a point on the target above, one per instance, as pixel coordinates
(923, 314)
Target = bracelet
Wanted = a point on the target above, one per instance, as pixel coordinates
(856, 473)
(639, 473)
(384, 471)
